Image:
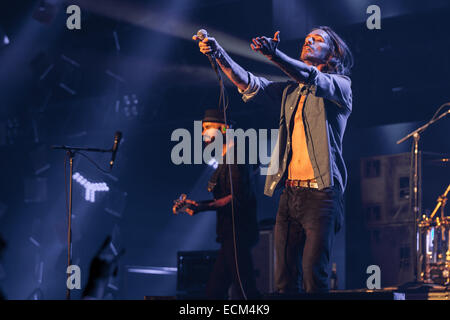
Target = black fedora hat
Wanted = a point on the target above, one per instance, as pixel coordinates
(213, 115)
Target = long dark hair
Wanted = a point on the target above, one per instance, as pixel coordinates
(341, 60)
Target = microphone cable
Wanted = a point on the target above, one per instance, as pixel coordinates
(233, 215)
(223, 102)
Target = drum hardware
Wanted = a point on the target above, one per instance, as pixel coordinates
(415, 166)
(434, 239)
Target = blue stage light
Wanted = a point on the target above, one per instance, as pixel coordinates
(90, 187)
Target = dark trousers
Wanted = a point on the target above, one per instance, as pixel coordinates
(224, 272)
(307, 221)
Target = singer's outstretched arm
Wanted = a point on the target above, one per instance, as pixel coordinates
(232, 70)
(310, 68)
(296, 69)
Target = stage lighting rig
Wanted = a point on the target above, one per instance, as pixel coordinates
(90, 187)
(128, 106)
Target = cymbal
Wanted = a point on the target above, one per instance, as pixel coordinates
(443, 162)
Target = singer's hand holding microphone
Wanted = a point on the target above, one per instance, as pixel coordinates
(208, 45)
(265, 45)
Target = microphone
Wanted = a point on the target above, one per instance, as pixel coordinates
(201, 35)
(117, 138)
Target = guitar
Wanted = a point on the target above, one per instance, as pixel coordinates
(182, 204)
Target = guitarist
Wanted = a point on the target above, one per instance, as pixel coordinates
(236, 243)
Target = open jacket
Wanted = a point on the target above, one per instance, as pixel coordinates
(327, 106)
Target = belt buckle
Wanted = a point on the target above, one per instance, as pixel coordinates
(300, 183)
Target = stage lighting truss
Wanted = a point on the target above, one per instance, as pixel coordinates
(70, 75)
(116, 203)
(90, 187)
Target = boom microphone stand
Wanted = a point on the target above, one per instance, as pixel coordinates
(71, 151)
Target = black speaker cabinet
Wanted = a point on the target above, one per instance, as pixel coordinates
(264, 261)
(388, 221)
(392, 248)
(194, 269)
(385, 189)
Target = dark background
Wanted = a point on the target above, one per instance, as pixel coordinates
(60, 86)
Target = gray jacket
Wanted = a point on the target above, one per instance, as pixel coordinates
(328, 105)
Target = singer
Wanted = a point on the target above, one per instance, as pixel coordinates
(315, 105)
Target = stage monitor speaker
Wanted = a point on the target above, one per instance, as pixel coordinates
(264, 261)
(392, 248)
(194, 269)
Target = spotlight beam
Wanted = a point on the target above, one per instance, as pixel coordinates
(145, 17)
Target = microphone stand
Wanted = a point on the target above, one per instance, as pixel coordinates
(415, 203)
(71, 151)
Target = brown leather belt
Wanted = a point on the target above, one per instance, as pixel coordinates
(302, 183)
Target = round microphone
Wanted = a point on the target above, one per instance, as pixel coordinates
(117, 138)
(202, 34)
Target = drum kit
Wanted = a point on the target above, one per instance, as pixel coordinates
(433, 231)
(434, 244)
